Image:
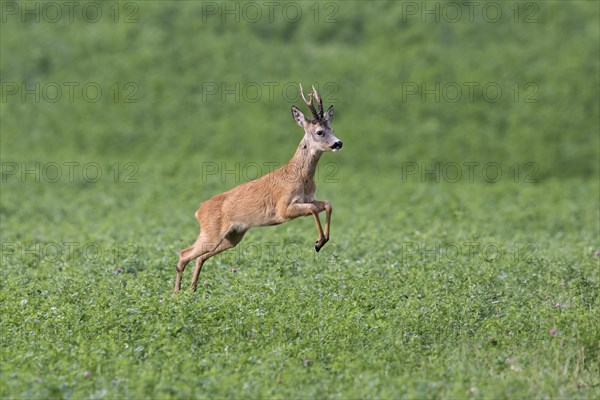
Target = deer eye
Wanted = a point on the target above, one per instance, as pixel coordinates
(320, 133)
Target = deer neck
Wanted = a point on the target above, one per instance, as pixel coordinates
(305, 160)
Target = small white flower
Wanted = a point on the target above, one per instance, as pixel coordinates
(23, 302)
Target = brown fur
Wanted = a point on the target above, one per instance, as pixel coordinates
(272, 199)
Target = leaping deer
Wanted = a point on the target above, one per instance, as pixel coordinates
(282, 195)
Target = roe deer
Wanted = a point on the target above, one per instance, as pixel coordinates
(282, 195)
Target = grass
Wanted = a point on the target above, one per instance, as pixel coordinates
(432, 286)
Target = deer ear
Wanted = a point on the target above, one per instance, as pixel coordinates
(298, 116)
(329, 114)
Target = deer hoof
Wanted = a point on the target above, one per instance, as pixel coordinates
(319, 245)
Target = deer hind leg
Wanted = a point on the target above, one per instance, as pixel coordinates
(208, 239)
(185, 256)
(229, 240)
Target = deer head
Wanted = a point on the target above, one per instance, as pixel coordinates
(317, 132)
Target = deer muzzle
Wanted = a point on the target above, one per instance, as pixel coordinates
(337, 146)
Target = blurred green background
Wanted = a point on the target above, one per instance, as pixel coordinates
(150, 94)
(378, 60)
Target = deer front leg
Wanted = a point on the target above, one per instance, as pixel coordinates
(325, 205)
(304, 209)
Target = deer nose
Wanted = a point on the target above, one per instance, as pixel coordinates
(337, 145)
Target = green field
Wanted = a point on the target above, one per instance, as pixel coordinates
(464, 255)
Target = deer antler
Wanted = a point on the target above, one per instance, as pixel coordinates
(319, 101)
(309, 103)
